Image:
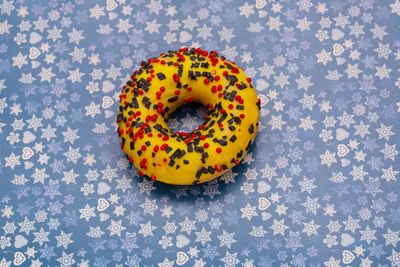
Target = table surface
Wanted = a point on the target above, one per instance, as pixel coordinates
(319, 187)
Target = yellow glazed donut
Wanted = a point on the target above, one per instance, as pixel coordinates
(160, 86)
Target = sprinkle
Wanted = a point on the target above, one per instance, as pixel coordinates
(206, 81)
(218, 150)
(218, 167)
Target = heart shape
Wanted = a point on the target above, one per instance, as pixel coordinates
(181, 258)
(111, 5)
(112, 15)
(262, 13)
(107, 102)
(345, 162)
(337, 34)
(20, 241)
(28, 165)
(262, 84)
(27, 153)
(185, 37)
(182, 241)
(103, 188)
(341, 134)
(34, 53)
(340, 61)
(266, 215)
(104, 217)
(19, 258)
(108, 114)
(338, 49)
(260, 4)
(263, 203)
(35, 38)
(102, 204)
(346, 240)
(264, 100)
(348, 256)
(343, 150)
(28, 137)
(107, 86)
(35, 64)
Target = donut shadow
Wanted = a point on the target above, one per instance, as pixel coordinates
(217, 189)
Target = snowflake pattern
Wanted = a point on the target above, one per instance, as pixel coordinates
(317, 188)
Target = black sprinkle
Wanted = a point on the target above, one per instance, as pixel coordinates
(211, 169)
(242, 86)
(139, 152)
(223, 117)
(177, 166)
(248, 146)
(233, 138)
(223, 142)
(161, 76)
(189, 147)
(173, 99)
(123, 141)
(135, 103)
(240, 154)
(240, 107)
(224, 167)
(171, 163)
(148, 143)
(232, 128)
(251, 129)
(185, 161)
(168, 149)
(132, 145)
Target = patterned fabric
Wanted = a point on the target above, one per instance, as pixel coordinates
(319, 187)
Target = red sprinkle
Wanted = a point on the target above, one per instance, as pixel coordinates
(217, 78)
(162, 88)
(218, 150)
(230, 106)
(219, 87)
(155, 149)
(248, 80)
(144, 148)
(236, 162)
(218, 167)
(206, 81)
(175, 77)
(202, 137)
(241, 116)
(177, 92)
(214, 89)
(225, 73)
(141, 173)
(132, 160)
(153, 177)
(206, 145)
(189, 88)
(165, 138)
(164, 146)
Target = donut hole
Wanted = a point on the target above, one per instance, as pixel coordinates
(187, 117)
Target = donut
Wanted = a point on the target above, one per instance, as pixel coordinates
(163, 84)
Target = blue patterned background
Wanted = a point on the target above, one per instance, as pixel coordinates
(319, 188)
